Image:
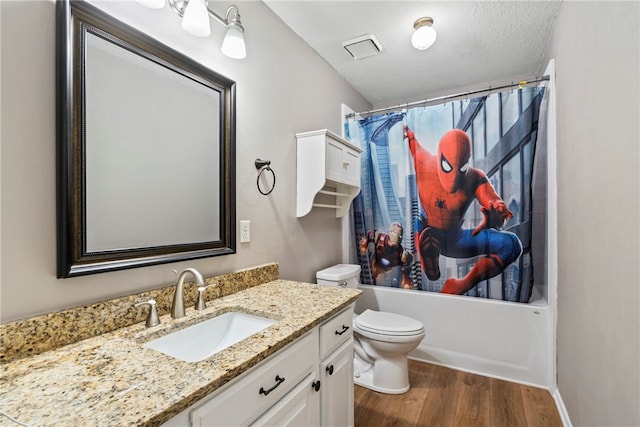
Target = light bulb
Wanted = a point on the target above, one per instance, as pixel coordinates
(196, 19)
(425, 35)
(233, 44)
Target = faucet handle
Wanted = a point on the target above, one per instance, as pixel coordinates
(201, 303)
(152, 318)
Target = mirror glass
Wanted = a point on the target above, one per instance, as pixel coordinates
(145, 149)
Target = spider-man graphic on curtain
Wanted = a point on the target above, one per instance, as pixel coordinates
(447, 185)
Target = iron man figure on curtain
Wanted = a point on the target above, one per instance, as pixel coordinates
(447, 185)
(388, 253)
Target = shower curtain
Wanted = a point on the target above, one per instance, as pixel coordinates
(447, 196)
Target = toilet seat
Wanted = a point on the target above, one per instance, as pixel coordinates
(388, 324)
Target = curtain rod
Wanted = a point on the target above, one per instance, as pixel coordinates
(519, 85)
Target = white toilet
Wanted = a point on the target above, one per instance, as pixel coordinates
(382, 340)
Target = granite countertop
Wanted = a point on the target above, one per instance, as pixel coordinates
(111, 380)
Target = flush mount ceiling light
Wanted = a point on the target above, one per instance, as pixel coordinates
(424, 35)
(195, 20)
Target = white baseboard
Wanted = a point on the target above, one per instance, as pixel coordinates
(562, 410)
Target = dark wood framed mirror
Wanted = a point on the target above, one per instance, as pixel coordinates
(145, 149)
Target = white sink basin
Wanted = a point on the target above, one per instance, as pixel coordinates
(207, 338)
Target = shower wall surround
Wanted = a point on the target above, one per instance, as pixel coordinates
(38, 334)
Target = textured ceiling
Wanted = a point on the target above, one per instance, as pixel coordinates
(479, 43)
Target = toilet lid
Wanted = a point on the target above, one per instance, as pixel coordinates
(339, 272)
(388, 323)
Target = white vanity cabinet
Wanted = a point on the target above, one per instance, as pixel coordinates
(308, 383)
(328, 172)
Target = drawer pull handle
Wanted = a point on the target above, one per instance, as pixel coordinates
(344, 329)
(316, 385)
(330, 369)
(278, 382)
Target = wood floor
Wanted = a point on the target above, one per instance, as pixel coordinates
(441, 396)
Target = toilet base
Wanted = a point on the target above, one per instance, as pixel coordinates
(363, 375)
(366, 380)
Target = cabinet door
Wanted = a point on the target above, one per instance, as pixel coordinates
(301, 407)
(351, 164)
(336, 393)
(334, 161)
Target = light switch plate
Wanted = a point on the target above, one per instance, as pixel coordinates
(245, 231)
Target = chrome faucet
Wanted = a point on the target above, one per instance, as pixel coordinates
(177, 310)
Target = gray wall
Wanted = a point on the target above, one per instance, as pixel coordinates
(283, 87)
(596, 47)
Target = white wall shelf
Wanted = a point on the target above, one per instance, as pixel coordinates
(328, 172)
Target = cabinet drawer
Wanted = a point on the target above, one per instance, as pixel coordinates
(336, 331)
(250, 395)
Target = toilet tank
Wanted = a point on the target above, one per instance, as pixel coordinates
(344, 275)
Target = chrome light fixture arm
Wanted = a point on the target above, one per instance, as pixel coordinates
(235, 18)
(226, 21)
(179, 6)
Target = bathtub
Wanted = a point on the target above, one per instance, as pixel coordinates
(504, 340)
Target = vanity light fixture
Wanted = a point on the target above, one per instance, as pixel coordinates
(424, 35)
(195, 20)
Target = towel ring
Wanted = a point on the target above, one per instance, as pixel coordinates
(264, 166)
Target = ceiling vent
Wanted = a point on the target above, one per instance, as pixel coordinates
(363, 46)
